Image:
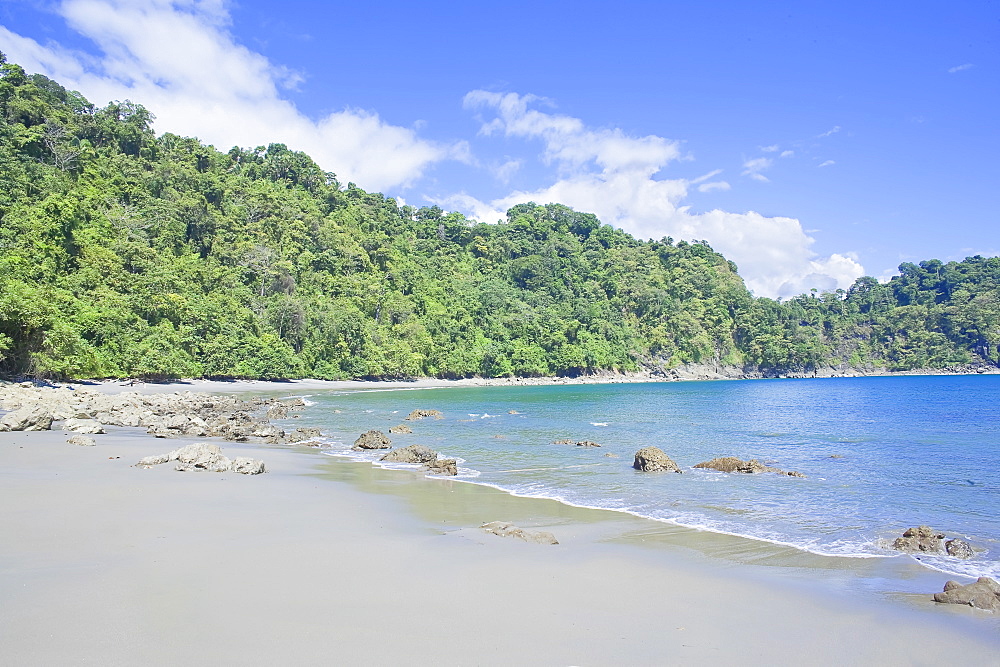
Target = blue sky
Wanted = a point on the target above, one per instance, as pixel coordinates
(809, 142)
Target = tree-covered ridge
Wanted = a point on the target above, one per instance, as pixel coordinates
(125, 254)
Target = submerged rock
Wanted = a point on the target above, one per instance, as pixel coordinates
(653, 459)
(81, 440)
(731, 464)
(504, 529)
(411, 454)
(587, 443)
(420, 414)
(372, 440)
(402, 428)
(983, 594)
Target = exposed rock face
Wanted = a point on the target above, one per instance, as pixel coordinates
(653, 459)
(28, 418)
(443, 467)
(83, 426)
(402, 428)
(200, 456)
(753, 466)
(983, 594)
(411, 454)
(564, 441)
(372, 440)
(204, 457)
(420, 414)
(587, 443)
(163, 415)
(504, 529)
(247, 466)
(300, 434)
(81, 440)
(922, 539)
(958, 549)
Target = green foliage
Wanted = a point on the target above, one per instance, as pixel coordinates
(127, 255)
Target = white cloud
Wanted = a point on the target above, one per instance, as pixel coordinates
(833, 130)
(178, 58)
(787, 153)
(774, 254)
(713, 186)
(960, 68)
(770, 149)
(752, 168)
(827, 163)
(506, 171)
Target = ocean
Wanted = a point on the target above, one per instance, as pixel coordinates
(880, 454)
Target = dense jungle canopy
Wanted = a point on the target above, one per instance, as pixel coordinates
(124, 254)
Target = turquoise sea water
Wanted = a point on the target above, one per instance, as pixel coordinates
(880, 454)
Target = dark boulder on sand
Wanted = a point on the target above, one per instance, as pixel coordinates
(653, 459)
(983, 594)
(411, 454)
(372, 440)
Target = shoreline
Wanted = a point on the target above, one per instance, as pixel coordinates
(407, 550)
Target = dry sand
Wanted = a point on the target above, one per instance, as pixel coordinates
(325, 561)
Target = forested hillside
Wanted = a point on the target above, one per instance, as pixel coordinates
(123, 254)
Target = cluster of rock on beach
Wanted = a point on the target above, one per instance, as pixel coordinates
(81, 410)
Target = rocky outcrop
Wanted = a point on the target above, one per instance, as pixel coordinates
(983, 594)
(179, 414)
(27, 418)
(204, 457)
(372, 440)
(402, 429)
(83, 426)
(81, 440)
(504, 529)
(448, 467)
(411, 454)
(653, 459)
(922, 539)
(302, 434)
(731, 464)
(247, 466)
(420, 414)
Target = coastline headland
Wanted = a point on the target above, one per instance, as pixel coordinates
(324, 559)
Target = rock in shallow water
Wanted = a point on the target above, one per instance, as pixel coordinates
(420, 414)
(411, 454)
(731, 464)
(958, 549)
(372, 440)
(653, 459)
(443, 467)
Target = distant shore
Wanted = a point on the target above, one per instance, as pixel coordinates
(324, 559)
(687, 372)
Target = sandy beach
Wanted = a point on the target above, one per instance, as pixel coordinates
(323, 560)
